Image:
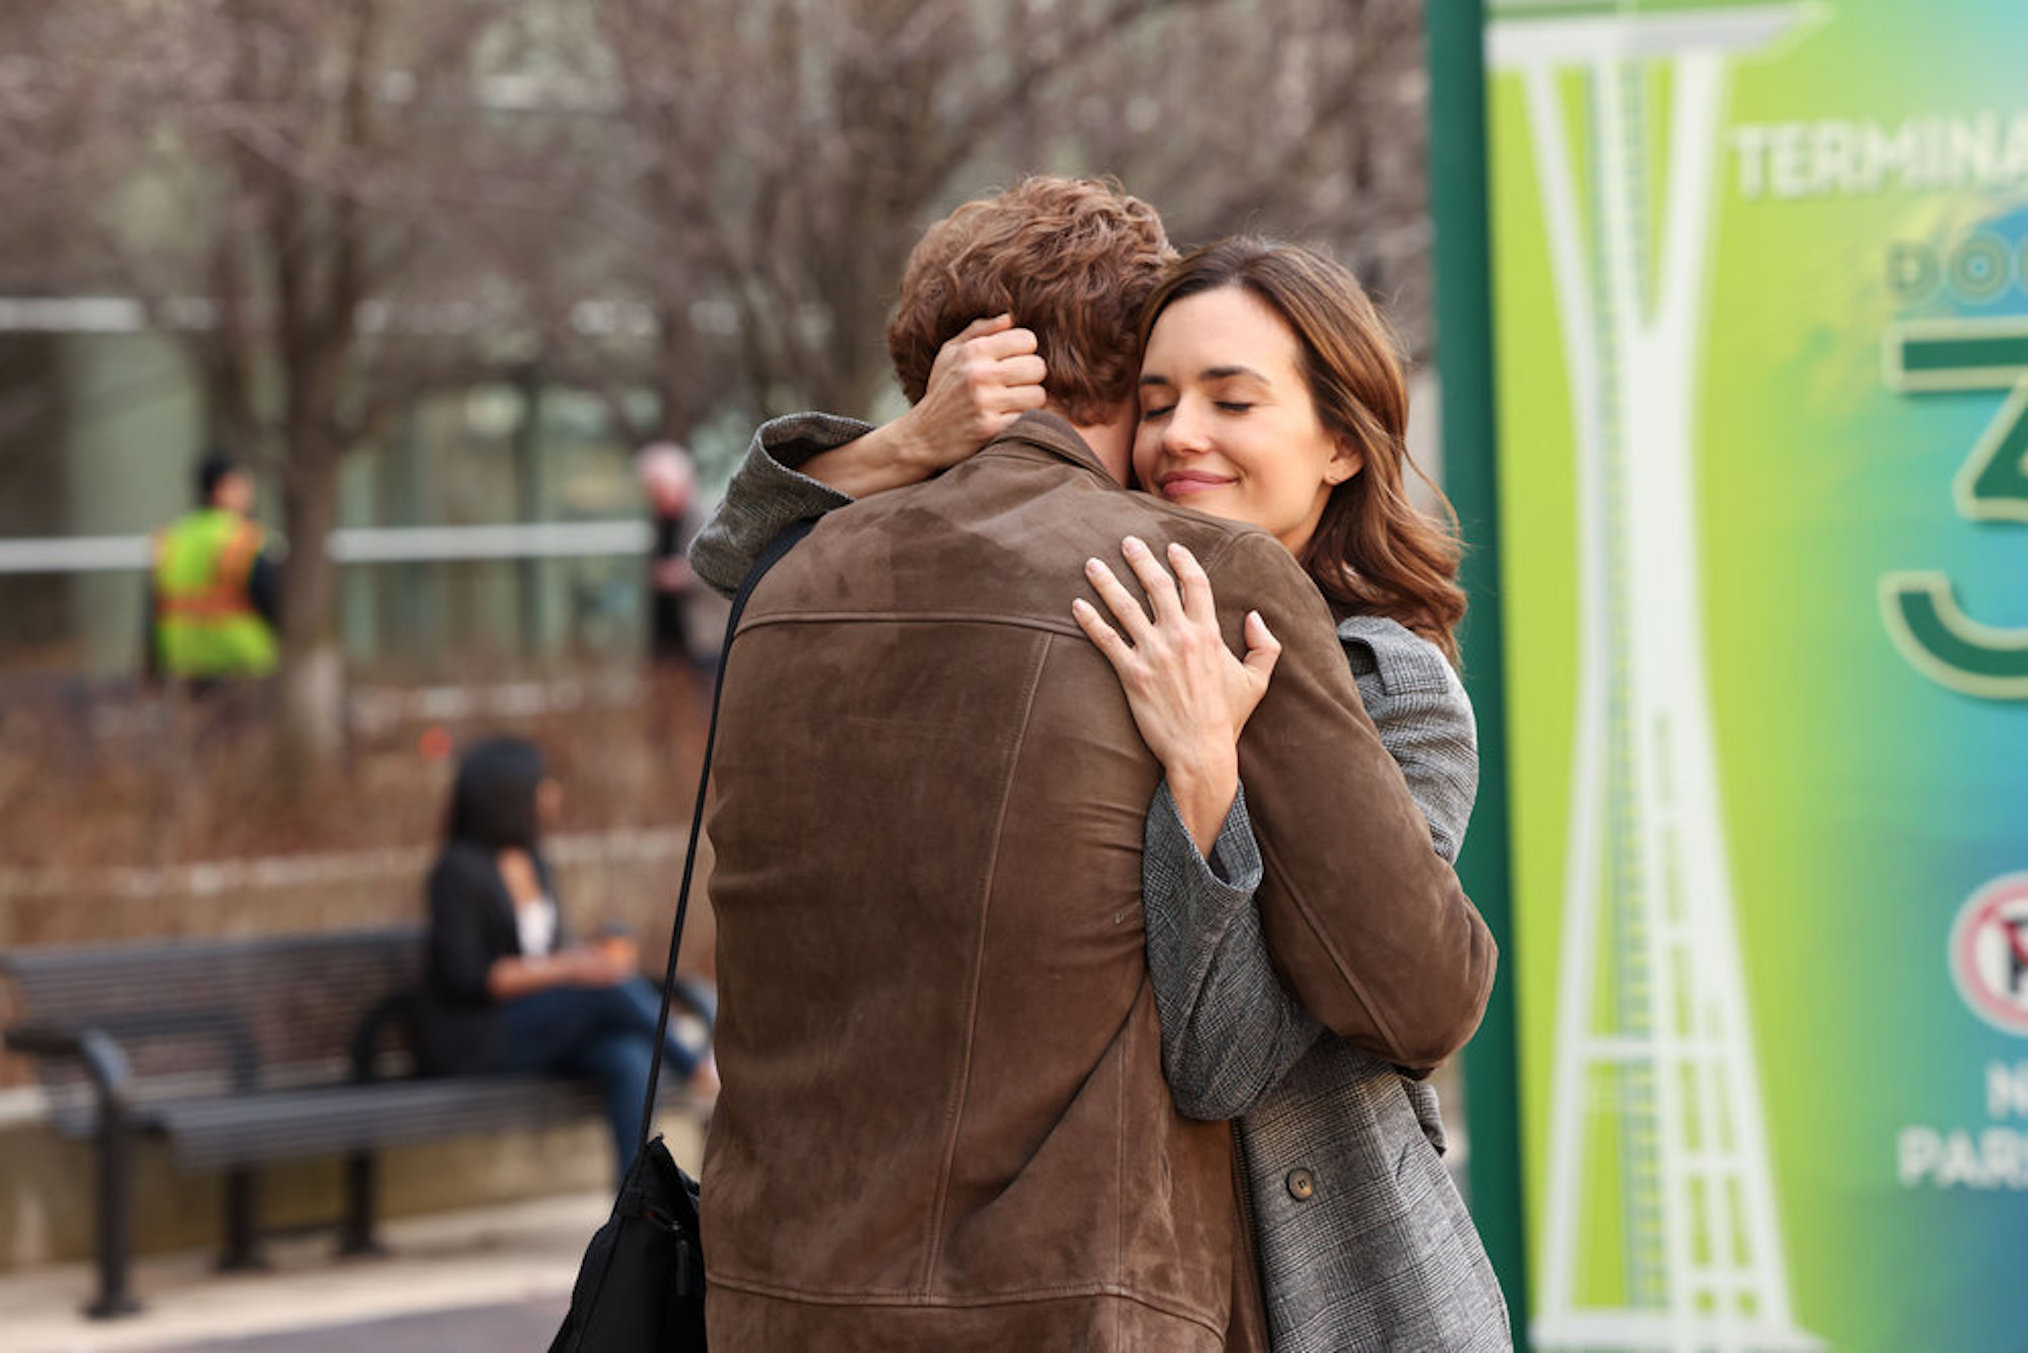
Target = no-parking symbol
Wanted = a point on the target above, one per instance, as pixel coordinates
(1989, 953)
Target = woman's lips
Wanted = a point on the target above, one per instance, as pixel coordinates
(1183, 483)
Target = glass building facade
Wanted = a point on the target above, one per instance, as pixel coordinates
(100, 434)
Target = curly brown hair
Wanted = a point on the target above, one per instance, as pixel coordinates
(1072, 259)
(1374, 552)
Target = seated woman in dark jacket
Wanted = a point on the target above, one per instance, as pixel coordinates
(504, 987)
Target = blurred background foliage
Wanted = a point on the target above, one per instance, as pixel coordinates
(432, 263)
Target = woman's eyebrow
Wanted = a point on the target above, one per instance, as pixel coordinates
(1210, 373)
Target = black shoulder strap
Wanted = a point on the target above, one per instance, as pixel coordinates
(769, 557)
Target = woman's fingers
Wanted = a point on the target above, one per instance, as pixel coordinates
(1262, 648)
(1155, 579)
(1004, 338)
(1190, 695)
(1008, 387)
(1104, 636)
(979, 328)
(1181, 617)
(996, 352)
(1024, 373)
(1118, 600)
(1198, 603)
(984, 377)
(1006, 374)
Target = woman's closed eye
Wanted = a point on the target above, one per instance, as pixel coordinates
(1153, 412)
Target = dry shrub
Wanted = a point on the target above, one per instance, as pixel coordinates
(113, 812)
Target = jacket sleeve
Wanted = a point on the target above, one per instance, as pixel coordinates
(1229, 1031)
(766, 493)
(1366, 924)
(458, 952)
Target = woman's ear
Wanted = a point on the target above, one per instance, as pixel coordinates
(1347, 460)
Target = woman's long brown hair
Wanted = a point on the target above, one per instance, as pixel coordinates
(1374, 552)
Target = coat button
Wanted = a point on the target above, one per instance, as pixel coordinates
(1302, 1184)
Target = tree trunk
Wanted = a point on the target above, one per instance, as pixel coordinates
(311, 717)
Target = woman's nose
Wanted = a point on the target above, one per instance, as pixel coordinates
(1185, 430)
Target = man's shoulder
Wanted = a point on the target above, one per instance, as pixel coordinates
(1006, 533)
(1104, 514)
(1219, 545)
(1048, 430)
(1238, 550)
(1127, 509)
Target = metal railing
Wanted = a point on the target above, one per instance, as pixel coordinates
(355, 545)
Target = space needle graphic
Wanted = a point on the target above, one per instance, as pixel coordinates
(1659, 1220)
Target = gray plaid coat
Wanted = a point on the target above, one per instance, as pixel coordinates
(1363, 1240)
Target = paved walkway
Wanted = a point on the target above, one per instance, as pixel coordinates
(520, 1325)
(496, 1279)
(528, 1325)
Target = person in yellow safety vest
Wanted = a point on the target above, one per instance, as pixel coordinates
(212, 611)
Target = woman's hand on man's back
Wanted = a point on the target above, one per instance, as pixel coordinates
(1190, 694)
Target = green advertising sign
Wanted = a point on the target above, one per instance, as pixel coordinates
(1760, 280)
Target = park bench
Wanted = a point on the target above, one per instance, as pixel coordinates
(240, 1052)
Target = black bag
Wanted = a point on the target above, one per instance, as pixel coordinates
(640, 1287)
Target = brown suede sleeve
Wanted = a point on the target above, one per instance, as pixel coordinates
(1366, 923)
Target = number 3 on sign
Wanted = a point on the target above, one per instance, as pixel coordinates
(1920, 610)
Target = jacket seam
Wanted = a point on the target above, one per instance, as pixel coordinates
(1120, 1157)
(991, 885)
(1048, 625)
(1252, 1287)
(1226, 547)
(904, 1298)
(1067, 628)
